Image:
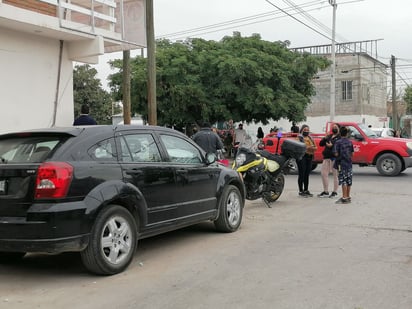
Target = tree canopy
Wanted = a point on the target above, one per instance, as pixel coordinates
(408, 99)
(87, 89)
(240, 78)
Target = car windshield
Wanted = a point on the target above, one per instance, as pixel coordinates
(368, 131)
(27, 149)
(378, 132)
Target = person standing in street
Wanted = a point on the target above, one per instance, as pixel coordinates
(343, 151)
(240, 138)
(294, 128)
(208, 140)
(305, 164)
(260, 135)
(327, 164)
(84, 119)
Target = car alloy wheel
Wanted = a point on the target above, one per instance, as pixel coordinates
(230, 210)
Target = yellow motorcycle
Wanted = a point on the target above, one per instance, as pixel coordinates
(263, 172)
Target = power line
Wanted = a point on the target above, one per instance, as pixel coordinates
(312, 19)
(244, 21)
(299, 21)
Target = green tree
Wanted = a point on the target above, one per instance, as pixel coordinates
(243, 78)
(408, 100)
(87, 89)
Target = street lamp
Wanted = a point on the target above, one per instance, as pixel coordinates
(333, 69)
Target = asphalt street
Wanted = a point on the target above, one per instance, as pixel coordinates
(302, 253)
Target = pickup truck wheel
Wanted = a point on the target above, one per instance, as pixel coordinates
(389, 164)
(230, 210)
(113, 242)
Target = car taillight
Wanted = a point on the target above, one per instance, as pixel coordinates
(53, 180)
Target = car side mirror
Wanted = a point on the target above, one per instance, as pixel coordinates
(210, 158)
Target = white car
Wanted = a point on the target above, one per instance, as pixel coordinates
(384, 132)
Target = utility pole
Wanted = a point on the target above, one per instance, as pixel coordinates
(333, 69)
(151, 65)
(394, 105)
(126, 87)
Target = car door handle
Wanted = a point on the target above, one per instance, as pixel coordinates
(182, 172)
(183, 176)
(134, 171)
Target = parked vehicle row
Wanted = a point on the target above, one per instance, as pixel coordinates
(391, 156)
(99, 189)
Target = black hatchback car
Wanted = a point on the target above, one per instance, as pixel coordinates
(98, 189)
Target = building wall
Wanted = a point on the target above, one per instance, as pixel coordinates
(34, 5)
(368, 88)
(29, 66)
(368, 104)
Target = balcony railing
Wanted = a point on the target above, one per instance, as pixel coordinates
(119, 20)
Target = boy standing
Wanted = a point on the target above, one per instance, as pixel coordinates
(343, 151)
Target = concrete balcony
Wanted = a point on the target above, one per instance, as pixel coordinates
(89, 27)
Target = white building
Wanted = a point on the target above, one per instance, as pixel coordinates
(40, 40)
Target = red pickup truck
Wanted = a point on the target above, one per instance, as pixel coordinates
(391, 156)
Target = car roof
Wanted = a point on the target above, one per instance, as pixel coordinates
(76, 130)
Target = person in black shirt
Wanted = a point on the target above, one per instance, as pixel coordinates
(294, 128)
(84, 119)
(260, 133)
(327, 164)
(207, 139)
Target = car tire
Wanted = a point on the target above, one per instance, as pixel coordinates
(389, 164)
(11, 257)
(113, 241)
(230, 210)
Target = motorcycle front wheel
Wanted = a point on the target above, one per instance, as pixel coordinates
(276, 189)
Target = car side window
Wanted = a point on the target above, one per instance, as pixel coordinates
(353, 132)
(139, 148)
(103, 151)
(180, 150)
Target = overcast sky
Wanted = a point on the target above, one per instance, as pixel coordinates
(389, 20)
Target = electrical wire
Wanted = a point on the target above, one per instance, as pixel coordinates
(310, 18)
(299, 21)
(240, 22)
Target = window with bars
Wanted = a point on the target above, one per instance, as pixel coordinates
(346, 90)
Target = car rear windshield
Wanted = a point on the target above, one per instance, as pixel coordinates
(28, 149)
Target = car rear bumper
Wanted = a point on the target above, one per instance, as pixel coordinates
(46, 228)
(74, 243)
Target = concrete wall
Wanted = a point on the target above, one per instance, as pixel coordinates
(28, 78)
(369, 88)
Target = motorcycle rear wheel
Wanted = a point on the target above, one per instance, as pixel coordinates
(276, 189)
